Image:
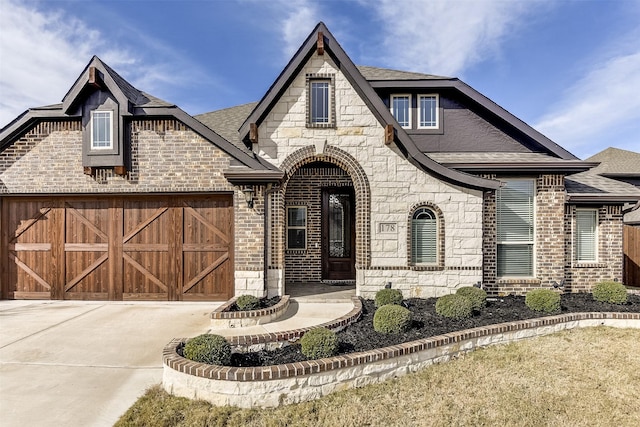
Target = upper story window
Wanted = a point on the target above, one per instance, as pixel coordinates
(427, 111)
(320, 100)
(101, 130)
(401, 109)
(586, 235)
(515, 223)
(424, 237)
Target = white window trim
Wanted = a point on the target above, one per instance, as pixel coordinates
(311, 118)
(429, 95)
(297, 227)
(596, 240)
(110, 146)
(532, 242)
(401, 95)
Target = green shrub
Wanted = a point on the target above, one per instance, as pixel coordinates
(477, 296)
(544, 300)
(388, 296)
(392, 319)
(454, 306)
(208, 348)
(247, 302)
(611, 292)
(319, 343)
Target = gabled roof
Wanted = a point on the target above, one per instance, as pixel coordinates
(226, 122)
(615, 162)
(369, 96)
(479, 162)
(135, 103)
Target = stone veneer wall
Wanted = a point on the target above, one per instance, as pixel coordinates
(166, 157)
(580, 277)
(390, 189)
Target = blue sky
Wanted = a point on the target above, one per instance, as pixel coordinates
(571, 69)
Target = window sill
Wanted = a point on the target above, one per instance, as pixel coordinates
(296, 251)
(426, 267)
(518, 280)
(586, 264)
(321, 125)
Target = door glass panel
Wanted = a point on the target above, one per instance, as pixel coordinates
(339, 222)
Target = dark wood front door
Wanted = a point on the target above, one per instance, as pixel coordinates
(338, 234)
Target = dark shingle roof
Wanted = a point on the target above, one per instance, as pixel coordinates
(375, 73)
(591, 183)
(226, 122)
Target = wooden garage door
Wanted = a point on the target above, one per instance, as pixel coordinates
(151, 248)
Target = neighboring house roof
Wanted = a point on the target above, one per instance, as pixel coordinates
(134, 103)
(368, 95)
(615, 162)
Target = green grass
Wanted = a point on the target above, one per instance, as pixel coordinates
(587, 377)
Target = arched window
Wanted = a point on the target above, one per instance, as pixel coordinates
(424, 237)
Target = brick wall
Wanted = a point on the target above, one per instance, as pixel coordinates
(305, 189)
(581, 276)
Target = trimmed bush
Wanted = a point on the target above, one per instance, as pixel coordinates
(544, 300)
(611, 292)
(392, 319)
(208, 348)
(454, 306)
(319, 343)
(247, 302)
(477, 296)
(388, 296)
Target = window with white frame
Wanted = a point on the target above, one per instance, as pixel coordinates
(586, 235)
(427, 111)
(296, 227)
(101, 126)
(515, 228)
(424, 237)
(401, 109)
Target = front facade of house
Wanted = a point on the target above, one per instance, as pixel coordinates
(340, 174)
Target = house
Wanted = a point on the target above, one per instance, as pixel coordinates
(342, 174)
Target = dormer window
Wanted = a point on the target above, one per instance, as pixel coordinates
(101, 130)
(401, 109)
(427, 111)
(320, 100)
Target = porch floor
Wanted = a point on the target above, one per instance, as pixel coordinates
(320, 292)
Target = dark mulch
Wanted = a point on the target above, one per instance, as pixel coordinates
(360, 336)
(264, 303)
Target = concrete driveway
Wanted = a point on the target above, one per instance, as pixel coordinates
(66, 363)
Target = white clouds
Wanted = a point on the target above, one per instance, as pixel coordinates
(604, 102)
(300, 18)
(446, 37)
(39, 61)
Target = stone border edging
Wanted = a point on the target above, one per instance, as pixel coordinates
(284, 338)
(269, 386)
(221, 317)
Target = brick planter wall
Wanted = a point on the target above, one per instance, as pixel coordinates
(222, 317)
(271, 386)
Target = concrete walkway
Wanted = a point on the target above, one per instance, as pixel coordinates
(66, 363)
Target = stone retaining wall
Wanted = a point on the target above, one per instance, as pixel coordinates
(271, 386)
(222, 317)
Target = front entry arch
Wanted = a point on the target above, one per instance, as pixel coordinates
(331, 169)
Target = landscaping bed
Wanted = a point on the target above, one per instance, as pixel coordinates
(361, 336)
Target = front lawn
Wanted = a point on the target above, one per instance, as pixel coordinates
(585, 377)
